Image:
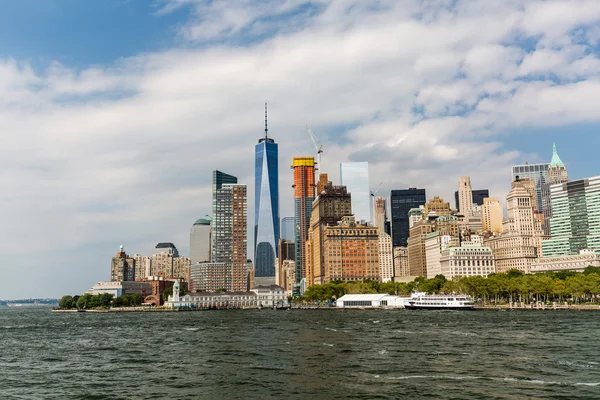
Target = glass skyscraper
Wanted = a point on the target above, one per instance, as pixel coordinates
(401, 202)
(266, 206)
(355, 176)
(575, 222)
(218, 250)
(538, 173)
(287, 229)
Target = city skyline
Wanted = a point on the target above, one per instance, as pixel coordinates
(109, 145)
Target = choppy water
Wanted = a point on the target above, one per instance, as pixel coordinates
(300, 354)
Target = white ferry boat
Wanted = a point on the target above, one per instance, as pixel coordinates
(424, 301)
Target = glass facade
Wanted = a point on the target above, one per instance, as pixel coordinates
(538, 173)
(575, 222)
(287, 229)
(355, 176)
(401, 203)
(266, 207)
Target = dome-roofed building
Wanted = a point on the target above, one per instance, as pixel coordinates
(200, 240)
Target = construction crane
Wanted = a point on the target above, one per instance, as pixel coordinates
(374, 192)
(318, 147)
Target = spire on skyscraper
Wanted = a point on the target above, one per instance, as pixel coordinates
(556, 161)
(266, 129)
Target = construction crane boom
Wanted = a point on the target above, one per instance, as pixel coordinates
(318, 146)
(374, 192)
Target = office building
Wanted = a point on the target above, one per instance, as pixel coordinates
(417, 264)
(465, 196)
(471, 258)
(575, 222)
(304, 194)
(355, 176)
(538, 173)
(380, 213)
(266, 207)
(571, 262)
(386, 257)
(261, 296)
(229, 230)
(287, 229)
(415, 215)
(478, 196)
(520, 242)
(492, 215)
(351, 252)
(122, 267)
(332, 203)
(437, 207)
(401, 202)
(434, 245)
(200, 240)
(119, 288)
(557, 173)
(401, 262)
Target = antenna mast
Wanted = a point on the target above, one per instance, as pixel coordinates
(266, 129)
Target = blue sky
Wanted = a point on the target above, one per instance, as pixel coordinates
(114, 113)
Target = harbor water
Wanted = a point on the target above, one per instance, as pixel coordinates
(308, 354)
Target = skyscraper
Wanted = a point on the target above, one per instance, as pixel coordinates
(492, 215)
(401, 203)
(266, 207)
(575, 222)
(465, 196)
(331, 205)
(557, 173)
(220, 249)
(230, 228)
(478, 196)
(287, 229)
(200, 240)
(355, 176)
(538, 173)
(304, 194)
(380, 213)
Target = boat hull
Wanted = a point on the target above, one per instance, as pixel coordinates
(409, 307)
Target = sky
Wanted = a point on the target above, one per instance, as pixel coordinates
(113, 114)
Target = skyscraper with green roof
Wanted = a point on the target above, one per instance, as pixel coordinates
(557, 173)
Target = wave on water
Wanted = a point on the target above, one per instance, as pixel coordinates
(192, 329)
(328, 344)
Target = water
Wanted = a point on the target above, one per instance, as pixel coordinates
(309, 354)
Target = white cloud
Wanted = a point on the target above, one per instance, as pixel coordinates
(123, 154)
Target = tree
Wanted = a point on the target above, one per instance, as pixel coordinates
(66, 302)
(166, 293)
(84, 301)
(590, 269)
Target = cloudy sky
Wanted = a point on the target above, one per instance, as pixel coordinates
(114, 113)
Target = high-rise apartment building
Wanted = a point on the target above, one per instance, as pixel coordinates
(229, 230)
(200, 240)
(266, 208)
(478, 196)
(380, 213)
(492, 215)
(465, 196)
(122, 267)
(538, 173)
(355, 176)
(401, 202)
(575, 222)
(287, 229)
(557, 173)
(386, 257)
(520, 242)
(351, 251)
(161, 262)
(304, 194)
(142, 266)
(220, 249)
(332, 203)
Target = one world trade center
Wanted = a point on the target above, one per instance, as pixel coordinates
(266, 208)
